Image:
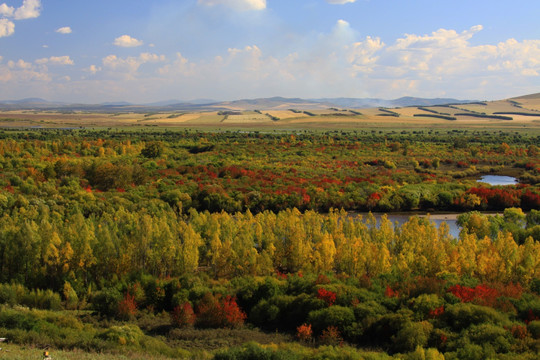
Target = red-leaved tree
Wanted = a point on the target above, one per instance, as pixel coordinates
(183, 315)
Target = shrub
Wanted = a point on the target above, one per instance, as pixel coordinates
(498, 338)
(127, 307)
(123, 335)
(534, 329)
(106, 301)
(327, 296)
(72, 300)
(253, 351)
(217, 311)
(266, 314)
(304, 333)
(462, 315)
(183, 315)
(42, 299)
(8, 294)
(335, 316)
(426, 305)
(331, 336)
(411, 336)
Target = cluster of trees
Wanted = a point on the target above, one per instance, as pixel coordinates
(236, 172)
(43, 248)
(221, 230)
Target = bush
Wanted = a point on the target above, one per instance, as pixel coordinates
(304, 333)
(266, 314)
(331, 336)
(217, 311)
(42, 299)
(411, 336)
(534, 329)
(462, 315)
(8, 294)
(72, 300)
(253, 351)
(334, 316)
(106, 301)
(183, 315)
(425, 306)
(127, 307)
(490, 336)
(123, 335)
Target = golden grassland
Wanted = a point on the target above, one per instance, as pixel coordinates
(284, 118)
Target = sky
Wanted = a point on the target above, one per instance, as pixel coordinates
(147, 51)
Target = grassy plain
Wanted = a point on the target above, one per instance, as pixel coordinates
(332, 118)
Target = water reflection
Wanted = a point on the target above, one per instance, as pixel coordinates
(438, 219)
(498, 180)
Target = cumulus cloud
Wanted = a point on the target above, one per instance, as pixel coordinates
(443, 62)
(93, 69)
(6, 10)
(127, 41)
(19, 64)
(339, 62)
(55, 60)
(129, 66)
(339, 2)
(29, 9)
(7, 27)
(64, 30)
(241, 5)
(19, 72)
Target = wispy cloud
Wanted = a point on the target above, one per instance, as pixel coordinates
(55, 60)
(339, 2)
(241, 5)
(127, 41)
(64, 30)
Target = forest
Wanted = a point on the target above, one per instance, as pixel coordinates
(262, 245)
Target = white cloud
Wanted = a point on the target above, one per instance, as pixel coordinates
(64, 30)
(29, 9)
(93, 69)
(180, 66)
(127, 41)
(7, 28)
(129, 66)
(363, 55)
(340, 62)
(6, 10)
(20, 64)
(55, 60)
(241, 5)
(19, 72)
(339, 2)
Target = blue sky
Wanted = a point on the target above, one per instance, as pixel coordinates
(145, 51)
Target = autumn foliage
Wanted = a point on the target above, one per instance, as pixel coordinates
(183, 315)
(127, 307)
(218, 311)
(328, 296)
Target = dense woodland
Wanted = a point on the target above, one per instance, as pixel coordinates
(164, 233)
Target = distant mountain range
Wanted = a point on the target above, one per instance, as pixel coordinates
(272, 103)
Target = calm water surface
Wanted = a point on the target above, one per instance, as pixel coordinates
(400, 219)
(498, 180)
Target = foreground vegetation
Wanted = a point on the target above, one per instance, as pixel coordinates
(190, 245)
